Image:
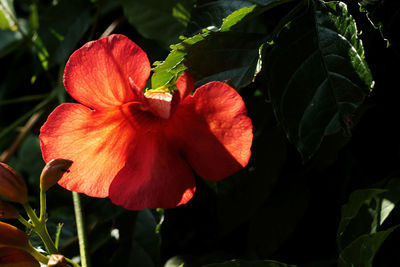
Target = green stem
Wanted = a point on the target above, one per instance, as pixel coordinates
(24, 222)
(38, 256)
(72, 262)
(85, 260)
(41, 230)
(42, 217)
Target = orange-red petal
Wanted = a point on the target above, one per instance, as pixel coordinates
(12, 187)
(11, 236)
(12, 257)
(214, 130)
(97, 75)
(96, 141)
(185, 85)
(155, 175)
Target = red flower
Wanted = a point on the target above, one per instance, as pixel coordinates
(137, 148)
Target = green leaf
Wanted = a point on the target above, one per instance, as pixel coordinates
(146, 242)
(384, 15)
(361, 252)
(7, 15)
(217, 54)
(161, 20)
(316, 75)
(212, 56)
(34, 19)
(359, 235)
(62, 26)
(241, 263)
(211, 15)
(9, 41)
(352, 209)
(73, 35)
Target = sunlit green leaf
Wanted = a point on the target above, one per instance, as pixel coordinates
(217, 54)
(7, 15)
(316, 75)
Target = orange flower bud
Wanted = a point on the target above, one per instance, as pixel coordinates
(8, 211)
(57, 261)
(11, 236)
(52, 172)
(12, 257)
(12, 187)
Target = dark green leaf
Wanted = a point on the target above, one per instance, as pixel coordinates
(352, 209)
(161, 20)
(359, 236)
(146, 242)
(240, 263)
(316, 75)
(74, 34)
(217, 54)
(62, 27)
(9, 41)
(211, 15)
(361, 252)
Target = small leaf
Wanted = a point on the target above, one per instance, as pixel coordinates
(316, 75)
(34, 18)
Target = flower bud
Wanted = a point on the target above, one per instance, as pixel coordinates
(8, 211)
(12, 187)
(57, 261)
(52, 172)
(11, 236)
(14, 257)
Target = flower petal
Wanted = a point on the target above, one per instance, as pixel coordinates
(96, 141)
(185, 85)
(97, 75)
(11, 236)
(12, 257)
(214, 130)
(155, 176)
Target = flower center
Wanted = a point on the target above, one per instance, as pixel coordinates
(159, 100)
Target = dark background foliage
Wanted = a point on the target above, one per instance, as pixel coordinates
(322, 186)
